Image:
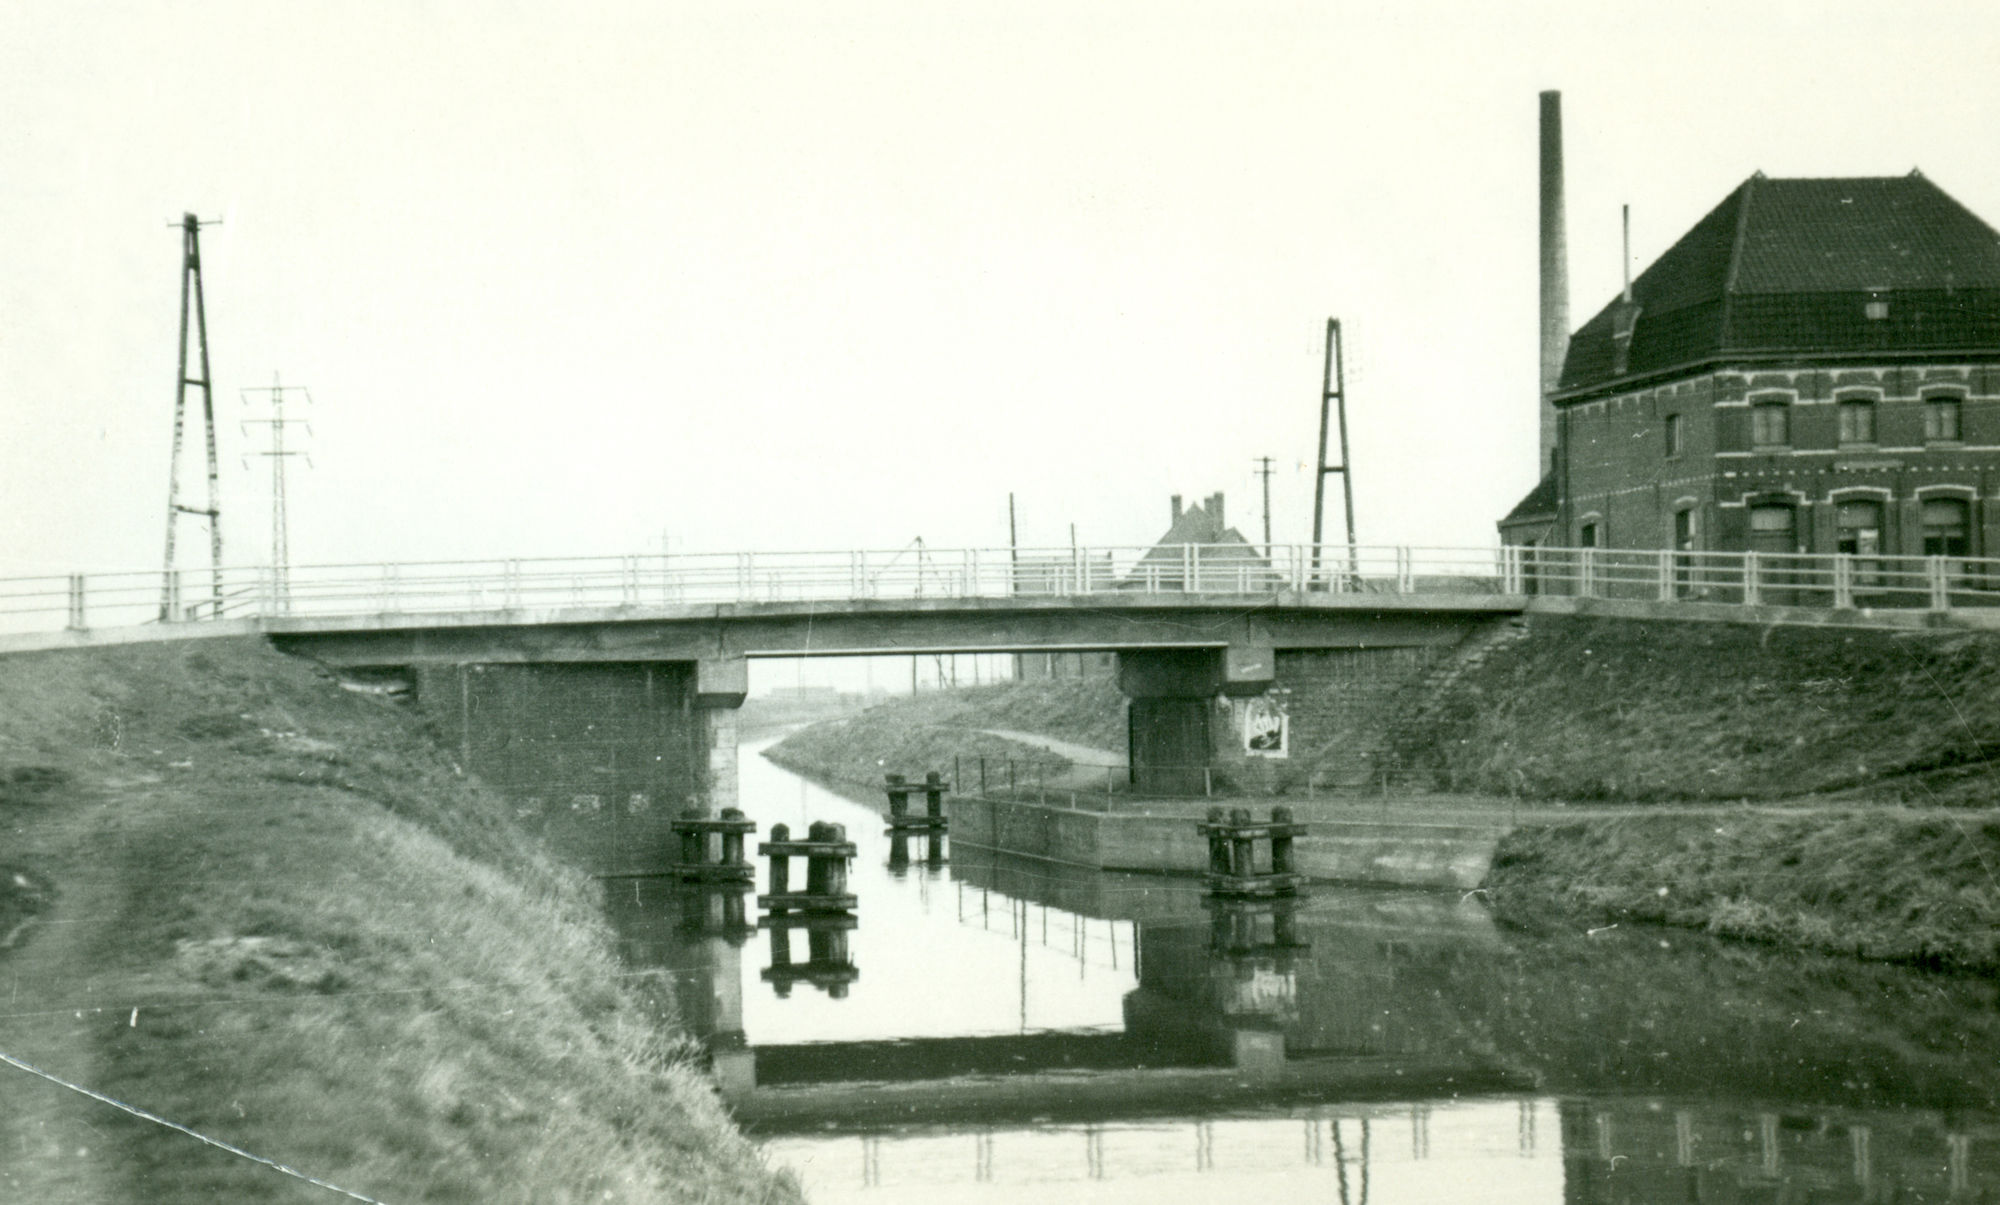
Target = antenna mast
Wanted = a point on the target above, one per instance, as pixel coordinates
(281, 557)
(170, 608)
(1333, 392)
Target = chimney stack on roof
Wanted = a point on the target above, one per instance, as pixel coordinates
(1177, 508)
(1215, 510)
(1555, 270)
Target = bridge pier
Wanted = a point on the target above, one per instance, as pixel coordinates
(598, 758)
(1172, 691)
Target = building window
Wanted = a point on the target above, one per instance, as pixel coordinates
(1772, 529)
(1770, 425)
(1857, 421)
(1876, 310)
(1941, 420)
(1673, 435)
(1947, 527)
(1684, 530)
(1586, 536)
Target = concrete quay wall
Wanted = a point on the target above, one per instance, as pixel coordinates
(1387, 852)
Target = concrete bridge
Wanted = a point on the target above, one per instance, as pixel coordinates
(600, 693)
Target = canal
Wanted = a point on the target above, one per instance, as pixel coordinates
(995, 1029)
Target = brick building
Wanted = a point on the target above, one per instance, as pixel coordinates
(1814, 367)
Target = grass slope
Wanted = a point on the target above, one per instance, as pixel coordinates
(913, 734)
(1619, 710)
(1884, 884)
(274, 912)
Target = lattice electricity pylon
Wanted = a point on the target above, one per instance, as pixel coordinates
(281, 555)
(170, 607)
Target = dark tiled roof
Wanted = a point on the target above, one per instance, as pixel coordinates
(1539, 504)
(1788, 266)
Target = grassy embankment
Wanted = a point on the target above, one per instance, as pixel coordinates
(274, 912)
(1622, 711)
(1856, 728)
(914, 734)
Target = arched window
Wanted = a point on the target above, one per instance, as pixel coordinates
(1857, 420)
(1943, 420)
(1947, 527)
(1773, 528)
(1771, 423)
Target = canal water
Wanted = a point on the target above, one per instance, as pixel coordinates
(995, 1029)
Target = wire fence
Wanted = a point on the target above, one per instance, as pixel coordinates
(530, 587)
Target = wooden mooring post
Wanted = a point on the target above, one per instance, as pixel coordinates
(827, 852)
(933, 819)
(824, 909)
(704, 860)
(1233, 869)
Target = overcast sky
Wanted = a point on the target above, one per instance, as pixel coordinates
(564, 277)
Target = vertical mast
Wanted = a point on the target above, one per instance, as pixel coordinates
(170, 605)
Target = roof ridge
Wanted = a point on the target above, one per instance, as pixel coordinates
(1748, 189)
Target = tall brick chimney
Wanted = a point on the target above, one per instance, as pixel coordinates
(1555, 270)
(1177, 508)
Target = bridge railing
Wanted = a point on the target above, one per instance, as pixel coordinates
(542, 585)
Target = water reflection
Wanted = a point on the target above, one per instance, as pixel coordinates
(1118, 1037)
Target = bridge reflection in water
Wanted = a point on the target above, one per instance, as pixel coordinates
(1016, 1029)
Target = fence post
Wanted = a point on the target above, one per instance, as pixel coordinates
(1752, 588)
(1666, 569)
(1934, 574)
(76, 619)
(1587, 570)
(1843, 580)
(1405, 571)
(1190, 563)
(390, 592)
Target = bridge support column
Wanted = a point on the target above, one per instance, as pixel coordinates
(720, 685)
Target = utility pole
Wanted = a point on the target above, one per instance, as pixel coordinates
(1264, 471)
(281, 556)
(170, 607)
(1013, 548)
(1333, 392)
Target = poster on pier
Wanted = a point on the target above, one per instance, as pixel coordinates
(1266, 728)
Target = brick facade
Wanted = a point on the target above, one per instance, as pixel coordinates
(1622, 476)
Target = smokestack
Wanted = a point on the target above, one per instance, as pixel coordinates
(1215, 511)
(1555, 269)
(1177, 508)
(1625, 216)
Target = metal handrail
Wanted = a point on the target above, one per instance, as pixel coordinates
(502, 585)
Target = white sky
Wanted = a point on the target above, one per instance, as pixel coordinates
(563, 276)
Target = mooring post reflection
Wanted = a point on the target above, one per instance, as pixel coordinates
(829, 964)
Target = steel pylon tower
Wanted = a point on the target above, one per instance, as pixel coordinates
(1332, 400)
(191, 285)
(281, 556)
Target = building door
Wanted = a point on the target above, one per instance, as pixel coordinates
(1684, 539)
(1858, 533)
(1169, 746)
(1774, 531)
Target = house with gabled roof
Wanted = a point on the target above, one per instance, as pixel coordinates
(1200, 546)
(1813, 367)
